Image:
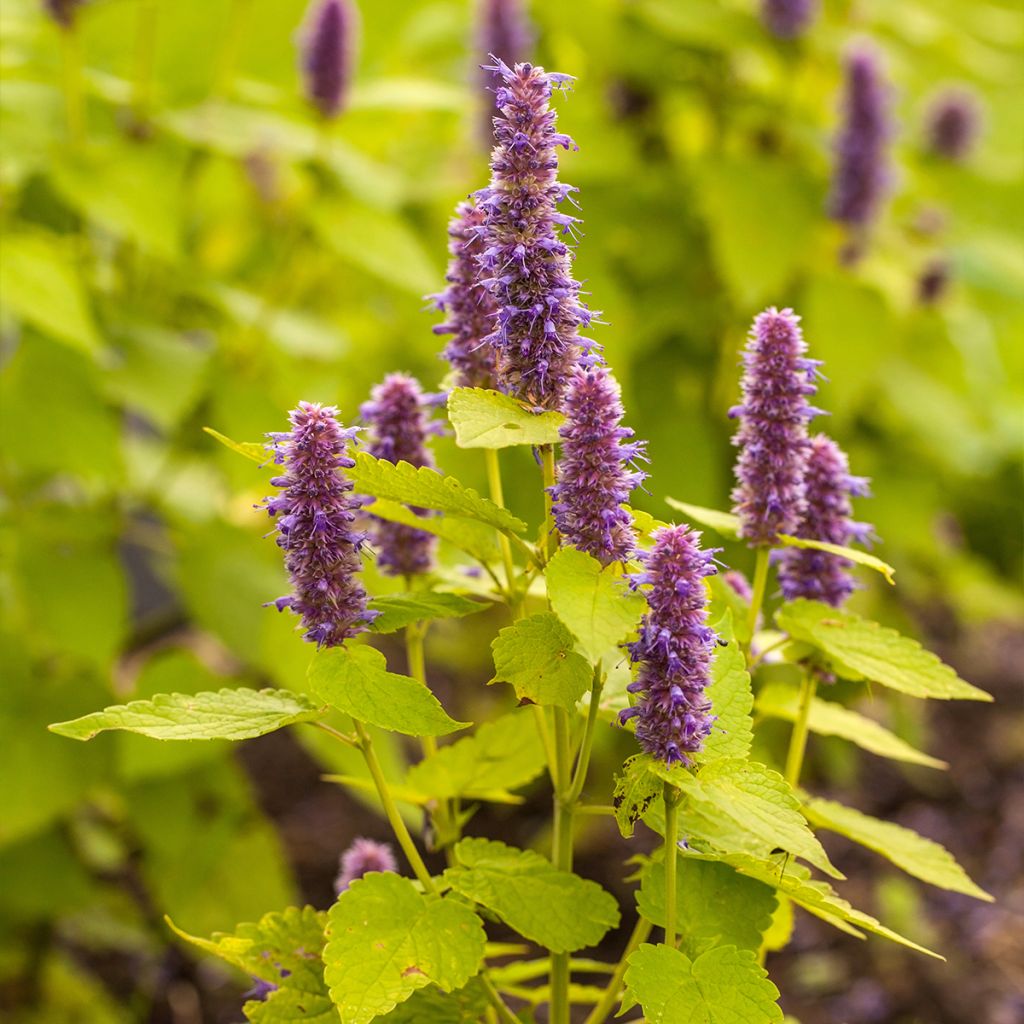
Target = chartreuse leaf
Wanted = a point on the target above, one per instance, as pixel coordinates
(224, 715)
(923, 858)
(489, 419)
(500, 756)
(557, 909)
(469, 535)
(400, 610)
(357, 682)
(250, 449)
(426, 488)
(859, 648)
(282, 948)
(731, 700)
(593, 601)
(725, 599)
(743, 807)
(724, 523)
(635, 790)
(827, 718)
(715, 906)
(722, 986)
(536, 656)
(385, 940)
(432, 1006)
(850, 554)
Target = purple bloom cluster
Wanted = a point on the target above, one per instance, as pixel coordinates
(787, 19)
(772, 436)
(526, 265)
(861, 174)
(674, 649)
(400, 428)
(469, 307)
(594, 468)
(63, 11)
(952, 123)
(328, 54)
(362, 857)
(503, 31)
(315, 513)
(818, 575)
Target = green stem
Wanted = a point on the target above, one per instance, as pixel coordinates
(798, 737)
(759, 586)
(391, 810)
(587, 746)
(561, 857)
(550, 540)
(498, 1004)
(671, 861)
(73, 93)
(231, 43)
(612, 993)
(498, 497)
(145, 58)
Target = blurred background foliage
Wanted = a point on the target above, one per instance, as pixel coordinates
(196, 248)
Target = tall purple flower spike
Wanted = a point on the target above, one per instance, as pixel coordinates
(526, 265)
(595, 469)
(787, 19)
(328, 45)
(504, 30)
(818, 575)
(362, 857)
(399, 430)
(673, 713)
(315, 512)
(772, 437)
(953, 123)
(63, 12)
(861, 175)
(469, 307)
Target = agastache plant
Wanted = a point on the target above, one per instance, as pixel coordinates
(953, 123)
(362, 857)
(527, 263)
(788, 19)
(503, 30)
(328, 44)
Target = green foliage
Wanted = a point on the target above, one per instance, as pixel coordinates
(557, 909)
(850, 554)
(416, 941)
(731, 699)
(490, 419)
(356, 681)
(722, 986)
(400, 610)
(724, 523)
(475, 538)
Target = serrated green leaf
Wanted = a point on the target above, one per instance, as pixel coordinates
(725, 599)
(475, 538)
(357, 682)
(827, 718)
(722, 986)
(636, 788)
(432, 1006)
(923, 858)
(490, 419)
(250, 449)
(593, 601)
(426, 488)
(536, 656)
(857, 645)
(385, 940)
(224, 715)
(644, 522)
(850, 554)
(715, 906)
(731, 700)
(557, 909)
(500, 756)
(724, 523)
(400, 610)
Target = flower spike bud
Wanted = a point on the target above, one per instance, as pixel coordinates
(328, 45)
(787, 19)
(362, 857)
(596, 471)
(772, 437)
(673, 714)
(315, 512)
(953, 123)
(818, 575)
(400, 428)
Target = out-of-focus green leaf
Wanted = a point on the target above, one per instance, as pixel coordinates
(400, 610)
(724, 523)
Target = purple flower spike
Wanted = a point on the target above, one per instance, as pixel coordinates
(315, 513)
(526, 265)
(953, 123)
(787, 19)
(63, 11)
(673, 715)
(772, 437)
(469, 307)
(504, 30)
(818, 575)
(328, 53)
(861, 175)
(594, 469)
(400, 428)
(362, 857)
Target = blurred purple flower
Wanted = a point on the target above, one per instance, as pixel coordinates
(739, 584)
(787, 19)
(328, 46)
(362, 857)
(504, 31)
(63, 12)
(933, 282)
(953, 123)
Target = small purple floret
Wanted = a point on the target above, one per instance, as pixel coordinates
(673, 714)
(595, 469)
(469, 307)
(787, 19)
(818, 575)
(362, 857)
(328, 54)
(772, 436)
(504, 30)
(397, 415)
(953, 123)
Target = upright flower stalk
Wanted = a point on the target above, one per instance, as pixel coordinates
(526, 264)
(327, 48)
(315, 513)
(595, 471)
